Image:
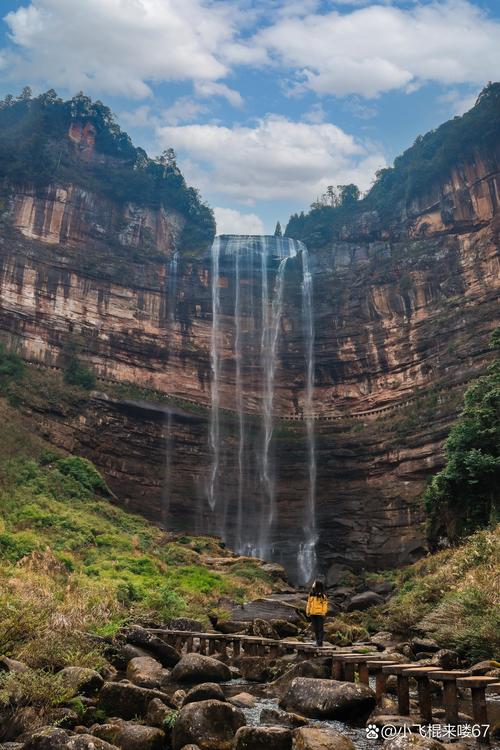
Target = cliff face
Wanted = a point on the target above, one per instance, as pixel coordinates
(402, 311)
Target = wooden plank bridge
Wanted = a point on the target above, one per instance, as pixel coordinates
(347, 665)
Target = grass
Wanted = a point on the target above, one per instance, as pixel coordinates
(73, 565)
(452, 595)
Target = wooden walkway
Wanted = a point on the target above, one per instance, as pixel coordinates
(347, 664)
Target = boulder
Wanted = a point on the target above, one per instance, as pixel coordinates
(445, 658)
(198, 668)
(424, 644)
(264, 629)
(11, 665)
(275, 570)
(412, 742)
(186, 624)
(243, 700)
(328, 699)
(146, 672)
(263, 738)
(365, 600)
(285, 628)
(178, 697)
(320, 738)
(126, 700)
(157, 713)
(209, 724)
(256, 668)
(204, 692)
(266, 609)
(166, 655)
(384, 640)
(272, 716)
(384, 588)
(81, 680)
(120, 655)
(51, 738)
(482, 667)
(314, 668)
(130, 736)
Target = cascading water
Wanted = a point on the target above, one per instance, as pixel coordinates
(236, 263)
(307, 552)
(215, 364)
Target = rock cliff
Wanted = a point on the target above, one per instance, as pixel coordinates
(403, 311)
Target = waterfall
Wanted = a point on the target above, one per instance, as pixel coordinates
(214, 386)
(245, 505)
(270, 334)
(172, 287)
(307, 552)
(167, 482)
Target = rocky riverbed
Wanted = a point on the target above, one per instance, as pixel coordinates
(152, 696)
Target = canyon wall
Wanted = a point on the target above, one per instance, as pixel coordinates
(403, 313)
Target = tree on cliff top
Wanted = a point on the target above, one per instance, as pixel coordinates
(427, 162)
(35, 148)
(465, 495)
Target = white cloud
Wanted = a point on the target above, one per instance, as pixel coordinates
(119, 46)
(209, 89)
(380, 48)
(274, 160)
(183, 110)
(230, 221)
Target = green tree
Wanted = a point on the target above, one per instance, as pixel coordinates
(277, 231)
(74, 372)
(348, 194)
(465, 495)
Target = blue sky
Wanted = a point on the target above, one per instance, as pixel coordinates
(266, 102)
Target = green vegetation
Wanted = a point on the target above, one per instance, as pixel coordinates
(431, 158)
(452, 595)
(35, 149)
(72, 564)
(465, 495)
(12, 370)
(75, 373)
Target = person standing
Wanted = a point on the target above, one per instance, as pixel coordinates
(316, 609)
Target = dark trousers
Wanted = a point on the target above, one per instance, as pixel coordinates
(318, 622)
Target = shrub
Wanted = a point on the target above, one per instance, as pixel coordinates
(35, 687)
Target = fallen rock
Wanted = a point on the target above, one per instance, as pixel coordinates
(272, 716)
(263, 738)
(165, 654)
(82, 680)
(129, 736)
(384, 640)
(256, 668)
(243, 700)
(328, 699)
(146, 672)
(424, 644)
(412, 742)
(11, 665)
(365, 600)
(186, 624)
(178, 697)
(285, 628)
(446, 659)
(126, 700)
(209, 724)
(264, 629)
(51, 738)
(319, 738)
(157, 713)
(313, 668)
(204, 692)
(266, 609)
(199, 668)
